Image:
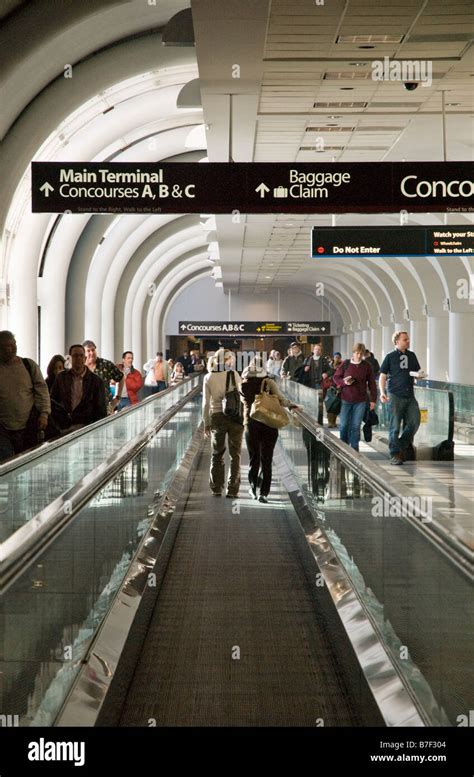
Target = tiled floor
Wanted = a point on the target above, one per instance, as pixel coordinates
(450, 484)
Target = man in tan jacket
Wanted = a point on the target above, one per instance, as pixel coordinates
(24, 400)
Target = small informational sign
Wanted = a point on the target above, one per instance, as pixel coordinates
(349, 242)
(256, 328)
(423, 415)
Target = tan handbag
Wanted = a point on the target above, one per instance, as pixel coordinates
(267, 409)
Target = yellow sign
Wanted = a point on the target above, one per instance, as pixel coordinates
(423, 415)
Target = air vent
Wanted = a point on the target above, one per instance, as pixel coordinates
(342, 105)
(383, 128)
(442, 37)
(347, 75)
(321, 150)
(369, 39)
(330, 129)
(404, 104)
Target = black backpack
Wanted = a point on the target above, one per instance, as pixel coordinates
(233, 407)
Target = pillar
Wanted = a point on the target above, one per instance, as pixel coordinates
(461, 335)
(377, 343)
(366, 338)
(418, 343)
(387, 345)
(437, 354)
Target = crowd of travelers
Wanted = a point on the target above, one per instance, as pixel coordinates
(82, 388)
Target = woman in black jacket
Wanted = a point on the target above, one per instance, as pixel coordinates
(260, 438)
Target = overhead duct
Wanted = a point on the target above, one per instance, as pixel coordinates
(189, 97)
(180, 30)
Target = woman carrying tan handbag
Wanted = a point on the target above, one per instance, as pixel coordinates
(259, 436)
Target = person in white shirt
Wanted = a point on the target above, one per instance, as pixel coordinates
(218, 426)
(273, 365)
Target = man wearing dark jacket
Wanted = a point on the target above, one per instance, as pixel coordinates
(317, 370)
(80, 391)
(370, 359)
(293, 362)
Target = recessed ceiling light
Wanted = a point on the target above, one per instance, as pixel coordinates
(346, 88)
(358, 64)
(365, 47)
(268, 276)
(336, 117)
(453, 104)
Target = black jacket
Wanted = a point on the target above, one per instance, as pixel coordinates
(314, 376)
(92, 406)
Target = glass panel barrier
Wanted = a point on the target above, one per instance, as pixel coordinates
(436, 417)
(50, 615)
(435, 407)
(463, 398)
(419, 602)
(26, 490)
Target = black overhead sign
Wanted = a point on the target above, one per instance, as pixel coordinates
(192, 187)
(286, 328)
(346, 242)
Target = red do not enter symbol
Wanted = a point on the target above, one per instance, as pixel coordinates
(320, 250)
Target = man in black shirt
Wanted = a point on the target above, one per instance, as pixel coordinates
(401, 366)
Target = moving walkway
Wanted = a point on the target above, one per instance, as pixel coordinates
(132, 598)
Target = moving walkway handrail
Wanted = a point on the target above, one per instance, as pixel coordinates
(31, 539)
(376, 477)
(36, 453)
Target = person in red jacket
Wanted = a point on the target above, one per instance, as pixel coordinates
(356, 379)
(132, 384)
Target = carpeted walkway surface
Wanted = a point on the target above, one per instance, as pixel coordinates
(235, 638)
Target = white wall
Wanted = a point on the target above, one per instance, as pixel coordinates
(204, 302)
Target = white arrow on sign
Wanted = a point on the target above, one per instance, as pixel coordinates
(183, 326)
(46, 188)
(262, 189)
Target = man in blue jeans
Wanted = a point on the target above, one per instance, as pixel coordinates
(401, 367)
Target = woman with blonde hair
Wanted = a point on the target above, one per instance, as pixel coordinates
(355, 378)
(178, 374)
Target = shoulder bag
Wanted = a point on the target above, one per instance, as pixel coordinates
(267, 409)
(233, 408)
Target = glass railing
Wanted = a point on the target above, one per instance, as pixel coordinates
(463, 398)
(434, 438)
(52, 612)
(29, 488)
(419, 601)
(435, 434)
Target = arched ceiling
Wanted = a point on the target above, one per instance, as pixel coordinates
(92, 275)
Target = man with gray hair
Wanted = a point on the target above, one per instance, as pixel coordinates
(24, 400)
(401, 367)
